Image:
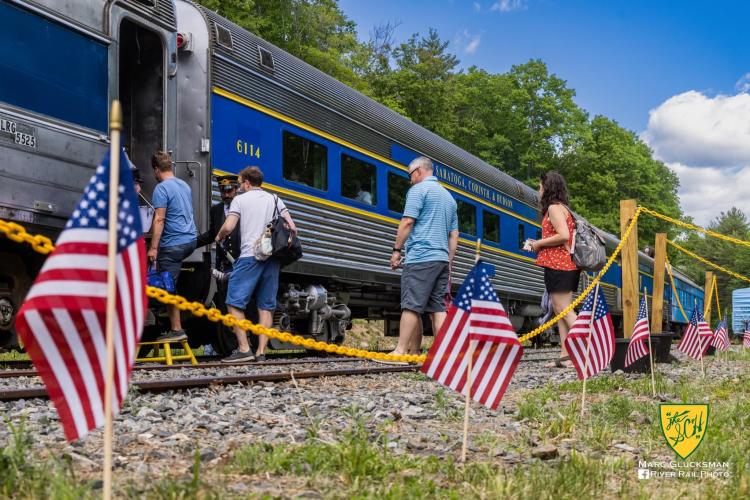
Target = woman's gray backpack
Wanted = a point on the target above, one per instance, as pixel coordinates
(588, 251)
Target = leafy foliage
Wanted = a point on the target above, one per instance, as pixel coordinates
(728, 255)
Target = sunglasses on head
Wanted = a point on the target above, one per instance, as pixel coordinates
(226, 189)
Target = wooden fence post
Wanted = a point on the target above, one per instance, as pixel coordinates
(657, 300)
(629, 268)
(707, 296)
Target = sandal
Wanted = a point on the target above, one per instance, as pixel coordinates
(559, 362)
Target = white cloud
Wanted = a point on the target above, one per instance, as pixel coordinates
(477, 6)
(743, 84)
(508, 5)
(705, 192)
(697, 130)
(705, 140)
(473, 44)
(466, 42)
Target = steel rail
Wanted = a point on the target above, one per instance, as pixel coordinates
(203, 382)
(317, 360)
(146, 368)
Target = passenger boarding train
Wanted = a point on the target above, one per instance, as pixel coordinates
(220, 98)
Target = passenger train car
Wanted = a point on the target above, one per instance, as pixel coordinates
(220, 98)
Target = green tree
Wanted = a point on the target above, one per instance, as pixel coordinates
(553, 124)
(729, 255)
(316, 31)
(420, 83)
(612, 164)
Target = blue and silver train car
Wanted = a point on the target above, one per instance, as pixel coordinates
(220, 98)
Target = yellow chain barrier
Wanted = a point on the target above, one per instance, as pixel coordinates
(44, 245)
(533, 333)
(213, 314)
(674, 290)
(708, 262)
(17, 233)
(693, 227)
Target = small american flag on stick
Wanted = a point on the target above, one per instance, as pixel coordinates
(62, 323)
(720, 339)
(697, 336)
(476, 325)
(746, 339)
(637, 347)
(601, 344)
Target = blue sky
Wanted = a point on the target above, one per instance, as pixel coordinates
(681, 59)
(622, 58)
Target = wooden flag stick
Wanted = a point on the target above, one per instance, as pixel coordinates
(115, 124)
(650, 349)
(588, 347)
(465, 443)
(700, 344)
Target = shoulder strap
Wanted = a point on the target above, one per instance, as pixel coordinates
(276, 211)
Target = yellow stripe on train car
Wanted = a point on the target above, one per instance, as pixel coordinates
(288, 119)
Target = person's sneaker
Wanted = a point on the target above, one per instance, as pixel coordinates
(260, 357)
(238, 356)
(172, 336)
(218, 275)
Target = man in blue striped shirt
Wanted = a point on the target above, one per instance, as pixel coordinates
(428, 234)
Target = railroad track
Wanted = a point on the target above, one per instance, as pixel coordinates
(163, 385)
(30, 372)
(532, 356)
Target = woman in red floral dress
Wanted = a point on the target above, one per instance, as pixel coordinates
(561, 275)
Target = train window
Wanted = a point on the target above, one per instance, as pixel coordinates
(467, 217)
(265, 58)
(490, 226)
(224, 36)
(398, 185)
(305, 161)
(521, 235)
(36, 77)
(358, 180)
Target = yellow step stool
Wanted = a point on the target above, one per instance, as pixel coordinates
(168, 356)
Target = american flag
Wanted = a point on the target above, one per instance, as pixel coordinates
(697, 336)
(746, 339)
(602, 339)
(720, 338)
(62, 323)
(637, 347)
(476, 325)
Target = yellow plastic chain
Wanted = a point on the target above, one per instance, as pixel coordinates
(693, 227)
(40, 245)
(674, 289)
(44, 245)
(579, 299)
(708, 262)
(213, 314)
(17, 233)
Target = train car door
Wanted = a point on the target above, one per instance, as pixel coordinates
(141, 85)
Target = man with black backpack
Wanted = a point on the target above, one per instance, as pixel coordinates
(256, 271)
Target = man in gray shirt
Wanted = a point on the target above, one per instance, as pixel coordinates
(254, 209)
